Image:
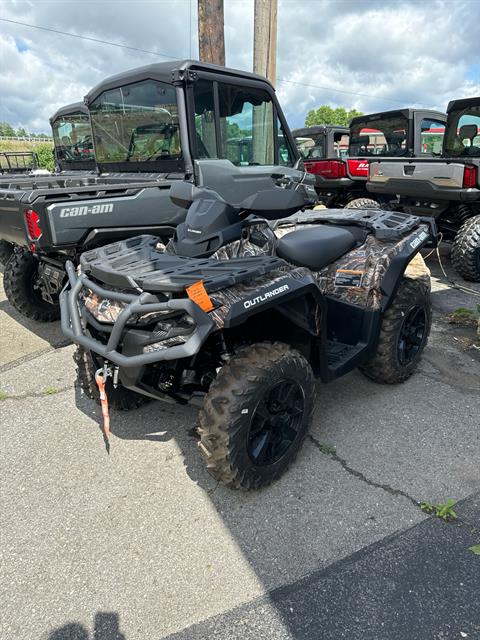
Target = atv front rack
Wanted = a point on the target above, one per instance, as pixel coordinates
(137, 263)
(143, 303)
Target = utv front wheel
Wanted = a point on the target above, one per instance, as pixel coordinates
(256, 415)
(23, 289)
(465, 255)
(118, 398)
(403, 333)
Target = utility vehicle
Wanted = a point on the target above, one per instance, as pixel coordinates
(72, 138)
(447, 188)
(152, 127)
(72, 151)
(400, 133)
(241, 314)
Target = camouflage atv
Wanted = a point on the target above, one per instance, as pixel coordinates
(242, 314)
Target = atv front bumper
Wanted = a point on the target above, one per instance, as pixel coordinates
(75, 323)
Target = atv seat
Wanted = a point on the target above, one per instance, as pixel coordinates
(317, 247)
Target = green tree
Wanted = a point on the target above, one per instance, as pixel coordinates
(44, 153)
(6, 129)
(21, 133)
(324, 114)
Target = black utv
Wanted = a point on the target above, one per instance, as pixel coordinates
(72, 136)
(447, 188)
(245, 306)
(401, 133)
(73, 155)
(152, 127)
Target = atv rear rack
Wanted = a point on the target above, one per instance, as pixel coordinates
(385, 225)
(143, 303)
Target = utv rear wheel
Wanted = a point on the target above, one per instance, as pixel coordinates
(465, 255)
(256, 415)
(6, 250)
(403, 333)
(22, 288)
(118, 398)
(363, 203)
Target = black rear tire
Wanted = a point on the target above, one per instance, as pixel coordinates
(20, 283)
(465, 254)
(6, 250)
(118, 398)
(363, 203)
(256, 415)
(403, 333)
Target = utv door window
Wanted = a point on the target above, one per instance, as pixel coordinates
(247, 125)
(340, 144)
(205, 120)
(136, 123)
(285, 155)
(432, 132)
(462, 137)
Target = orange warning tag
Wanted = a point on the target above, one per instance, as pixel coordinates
(199, 295)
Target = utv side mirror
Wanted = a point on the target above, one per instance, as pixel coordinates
(181, 193)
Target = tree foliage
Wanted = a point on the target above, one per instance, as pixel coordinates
(325, 114)
(44, 153)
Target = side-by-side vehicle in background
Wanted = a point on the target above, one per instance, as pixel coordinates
(72, 137)
(447, 188)
(152, 127)
(341, 181)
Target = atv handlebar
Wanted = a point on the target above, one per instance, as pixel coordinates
(143, 303)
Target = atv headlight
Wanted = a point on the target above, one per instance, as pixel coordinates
(103, 309)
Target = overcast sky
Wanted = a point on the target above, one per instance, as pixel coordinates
(387, 54)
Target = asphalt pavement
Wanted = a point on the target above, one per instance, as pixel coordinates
(142, 543)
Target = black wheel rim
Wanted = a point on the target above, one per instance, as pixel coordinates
(412, 335)
(276, 423)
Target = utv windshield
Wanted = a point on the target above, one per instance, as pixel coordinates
(73, 138)
(382, 137)
(462, 135)
(137, 123)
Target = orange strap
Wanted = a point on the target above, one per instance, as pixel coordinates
(104, 402)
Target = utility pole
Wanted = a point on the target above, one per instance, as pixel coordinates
(211, 40)
(264, 63)
(265, 39)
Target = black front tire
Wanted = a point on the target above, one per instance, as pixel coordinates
(6, 250)
(363, 203)
(19, 281)
(465, 254)
(256, 415)
(403, 333)
(118, 398)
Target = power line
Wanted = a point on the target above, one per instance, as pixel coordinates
(75, 35)
(164, 55)
(353, 93)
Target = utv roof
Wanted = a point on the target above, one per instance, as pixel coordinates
(406, 113)
(163, 71)
(69, 110)
(319, 128)
(464, 103)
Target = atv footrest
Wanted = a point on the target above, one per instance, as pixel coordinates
(340, 355)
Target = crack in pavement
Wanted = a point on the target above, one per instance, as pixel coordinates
(358, 474)
(33, 356)
(54, 391)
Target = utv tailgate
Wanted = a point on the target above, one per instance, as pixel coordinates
(433, 179)
(75, 211)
